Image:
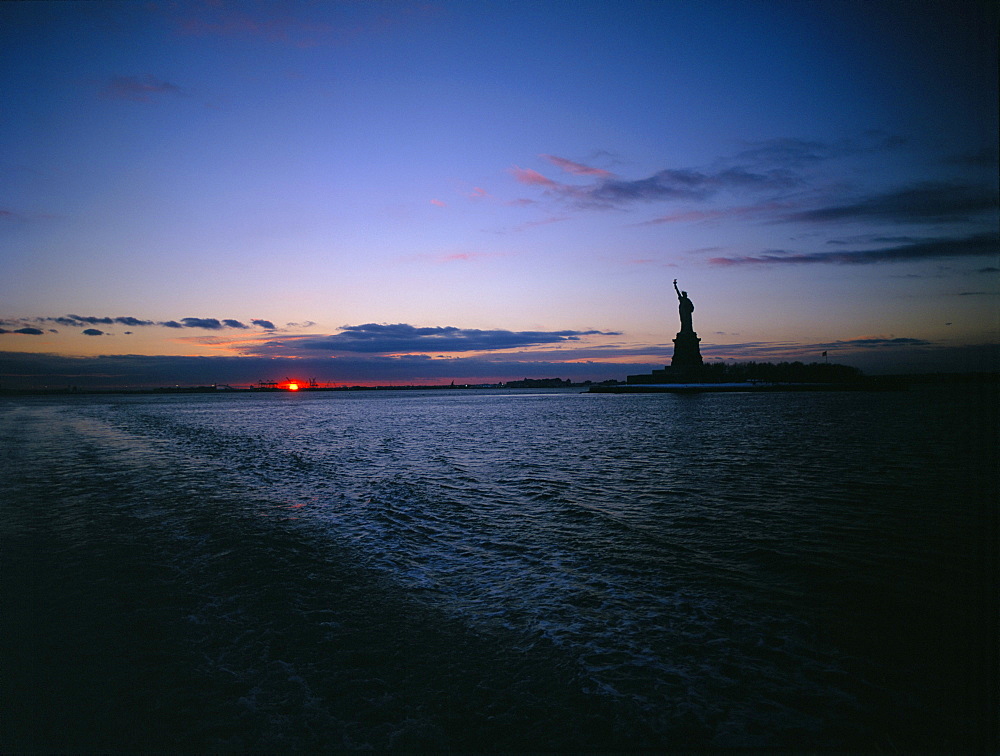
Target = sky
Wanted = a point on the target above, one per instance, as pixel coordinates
(204, 191)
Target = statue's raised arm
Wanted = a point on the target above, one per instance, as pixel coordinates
(686, 307)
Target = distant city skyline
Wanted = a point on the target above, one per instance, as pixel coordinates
(421, 192)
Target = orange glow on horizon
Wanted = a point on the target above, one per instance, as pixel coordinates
(293, 387)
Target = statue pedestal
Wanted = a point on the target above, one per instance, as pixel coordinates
(686, 351)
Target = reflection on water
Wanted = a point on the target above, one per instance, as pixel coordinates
(486, 570)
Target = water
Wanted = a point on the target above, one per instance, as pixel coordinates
(466, 570)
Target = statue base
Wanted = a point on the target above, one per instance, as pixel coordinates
(686, 351)
(685, 366)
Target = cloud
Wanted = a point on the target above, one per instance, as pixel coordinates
(786, 151)
(668, 185)
(792, 152)
(138, 88)
(81, 320)
(213, 324)
(773, 170)
(877, 342)
(694, 216)
(448, 257)
(929, 202)
(451, 257)
(209, 323)
(75, 320)
(576, 168)
(439, 203)
(682, 184)
(93, 332)
(25, 331)
(375, 338)
(532, 177)
(978, 245)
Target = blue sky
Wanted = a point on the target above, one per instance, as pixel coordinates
(410, 192)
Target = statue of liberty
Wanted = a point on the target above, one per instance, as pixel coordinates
(686, 307)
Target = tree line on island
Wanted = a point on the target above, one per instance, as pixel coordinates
(782, 372)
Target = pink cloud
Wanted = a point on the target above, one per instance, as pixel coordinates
(439, 203)
(455, 257)
(578, 169)
(478, 193)
(531, 177)
(458, 256)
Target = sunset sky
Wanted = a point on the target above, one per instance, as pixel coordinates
(420, 192)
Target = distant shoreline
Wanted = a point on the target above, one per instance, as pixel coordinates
(870, 383)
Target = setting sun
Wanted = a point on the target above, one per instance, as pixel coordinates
(293, 387)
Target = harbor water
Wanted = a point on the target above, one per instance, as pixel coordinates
(488, 570)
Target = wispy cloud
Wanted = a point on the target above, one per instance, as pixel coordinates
(786, 178)
(212, 324)
(922, 203)
(462, 256)
(578, 169)
(795, 153)
(672, 184)
(138, 88)
(979, 245)
(877, 342)
(743, 211)
(533, 178)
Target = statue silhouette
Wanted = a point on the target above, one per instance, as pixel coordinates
(686, 307)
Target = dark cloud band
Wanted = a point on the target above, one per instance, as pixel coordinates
(211, 324)
(979, 245)
(375, 338)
